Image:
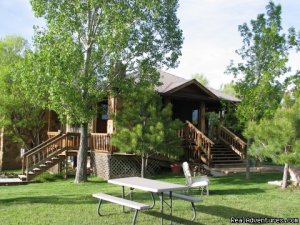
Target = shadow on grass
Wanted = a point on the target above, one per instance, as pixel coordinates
(228, 212)
(65, 199)
(69, 199)
(245, 191)
(240, 179)
(176, 219)
(97, 181)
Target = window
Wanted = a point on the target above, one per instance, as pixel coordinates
(195, 116)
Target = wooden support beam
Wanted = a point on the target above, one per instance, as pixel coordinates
(202, 117)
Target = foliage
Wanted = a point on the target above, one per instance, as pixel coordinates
(49, 177)
(259, 77)
(144, 126)
(294, 81)
(279, 137)
(200, 77)
(230, 119)
(264, 57)
(213, 123)
(85, 42)
(21, 118)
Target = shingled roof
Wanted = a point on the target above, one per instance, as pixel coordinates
(170, 83)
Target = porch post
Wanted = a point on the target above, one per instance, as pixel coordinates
(49, 119)
(202, 117)
(113, 108)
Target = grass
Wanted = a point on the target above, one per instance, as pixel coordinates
(62, 202)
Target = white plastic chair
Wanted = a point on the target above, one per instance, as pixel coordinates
(198, 182)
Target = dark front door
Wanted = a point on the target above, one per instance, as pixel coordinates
(102, 117)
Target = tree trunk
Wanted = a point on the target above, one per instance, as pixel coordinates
(143, 166)
(247, 161)
(81, 172)
(285, 176)
(295, 177)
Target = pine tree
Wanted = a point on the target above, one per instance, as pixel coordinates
(279, 137)
(144, 126)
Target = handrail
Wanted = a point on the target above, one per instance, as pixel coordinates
(235, 142)
(38, 147)
(49, 143)
(53, 147)
(190, 132)
(42, 144)
(199, 132)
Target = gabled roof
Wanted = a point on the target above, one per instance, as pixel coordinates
(171, 83)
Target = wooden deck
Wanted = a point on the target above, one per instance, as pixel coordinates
(11, 181)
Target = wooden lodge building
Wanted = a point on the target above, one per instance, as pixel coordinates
(190, 100)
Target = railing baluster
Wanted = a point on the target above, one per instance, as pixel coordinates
(101, 142)
(202, 142)
(236, 143)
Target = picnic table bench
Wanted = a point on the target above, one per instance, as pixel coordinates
(121, 201)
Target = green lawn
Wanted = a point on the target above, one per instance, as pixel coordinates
(62, 202)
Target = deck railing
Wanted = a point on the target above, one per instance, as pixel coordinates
(101, 142)
(233, 141)
(98, 141)
(191, 133)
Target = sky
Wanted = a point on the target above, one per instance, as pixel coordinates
(210, 30)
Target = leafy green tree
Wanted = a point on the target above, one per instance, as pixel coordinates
(201, 78)
(278, 138)
(264, 57)
(83, 45)
(21, 118)
(144, 126)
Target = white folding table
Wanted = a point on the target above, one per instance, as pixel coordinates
(149, 185)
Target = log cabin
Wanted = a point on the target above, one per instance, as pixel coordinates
(191, 102)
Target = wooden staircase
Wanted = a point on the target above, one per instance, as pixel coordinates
(48, 154)
(228, 151)
(222, 156)
(197, 144)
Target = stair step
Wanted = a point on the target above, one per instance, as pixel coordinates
(22, 177)
(229, 165)
(226, 157)
(30, 173)
(223, 152)
(227, 161)
(36, 169)
(55, 158)
(43, 165)
(49, 162)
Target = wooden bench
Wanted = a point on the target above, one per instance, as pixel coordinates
(188, 198)
(121, 201)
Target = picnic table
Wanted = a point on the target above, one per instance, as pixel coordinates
(153, 186)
